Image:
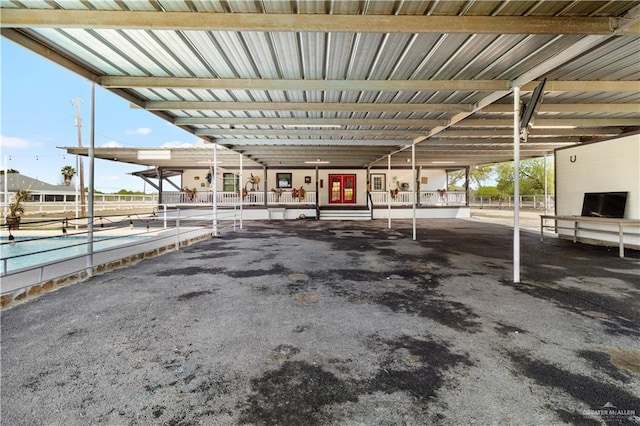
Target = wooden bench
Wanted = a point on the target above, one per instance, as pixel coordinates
(577, 220)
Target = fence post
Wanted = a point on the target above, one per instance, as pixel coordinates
(165, 215)
(178, 229)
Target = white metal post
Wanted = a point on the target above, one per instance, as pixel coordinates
(214, 185)
(91, 182)
(164, 208)
(546, 189)
(516, 184)
(241, 192)
(6, 189)
(77, 211)
(389, 189)
(414, 186)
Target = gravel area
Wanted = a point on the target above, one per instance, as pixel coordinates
(336, 323)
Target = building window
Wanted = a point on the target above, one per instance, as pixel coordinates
(230, 182)
(377, 182)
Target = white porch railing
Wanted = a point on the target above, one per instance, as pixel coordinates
(228, 199)
(426, 198)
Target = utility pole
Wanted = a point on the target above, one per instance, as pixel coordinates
(77, 102)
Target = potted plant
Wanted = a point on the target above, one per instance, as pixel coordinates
(68, 173)
(16, 208)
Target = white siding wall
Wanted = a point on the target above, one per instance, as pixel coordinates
(437, 179)
(610, 166)
(599, 167)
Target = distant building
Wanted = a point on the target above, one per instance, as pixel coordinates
(45, 191)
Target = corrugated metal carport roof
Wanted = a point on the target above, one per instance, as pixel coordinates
(349, 82)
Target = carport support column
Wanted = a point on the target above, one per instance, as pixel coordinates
(414, 185)
(214, 185)
(516, 184)
(241, 192)
(160, 187)
(92, 174)
(389, 189)
(265, 192)
(546, 184)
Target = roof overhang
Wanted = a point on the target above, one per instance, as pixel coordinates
(288, 83)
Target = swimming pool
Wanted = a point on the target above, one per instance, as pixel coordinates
(29, 248)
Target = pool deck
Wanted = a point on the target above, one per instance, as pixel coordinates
(341, 323)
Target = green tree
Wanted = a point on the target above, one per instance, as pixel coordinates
(490, 192)
(531, 177)
(127, 192)
(478, 176)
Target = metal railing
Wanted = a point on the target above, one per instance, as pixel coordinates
(66, 203)
(426, 198)
(536, 202)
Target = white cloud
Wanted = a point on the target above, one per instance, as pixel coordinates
(112, 144)
(140, 131)
(17, 143)
(177, 144)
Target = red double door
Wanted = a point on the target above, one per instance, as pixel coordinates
(342, 189)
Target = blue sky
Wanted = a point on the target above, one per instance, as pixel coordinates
(37, 116)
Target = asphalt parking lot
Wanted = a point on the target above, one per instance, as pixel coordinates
(336, 323)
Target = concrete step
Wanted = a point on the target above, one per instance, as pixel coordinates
(345, 215)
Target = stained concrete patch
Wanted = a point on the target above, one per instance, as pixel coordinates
(625, 359)
(593, 393)
(276, 269)
(308, 297)
(299, 277)
(602, 361)
(449, 313)
(282, 353)
(414, 366)
(584, 303)
(596, 314)
(295, 394)
(190, 270)
(193, 294)
(506, 330)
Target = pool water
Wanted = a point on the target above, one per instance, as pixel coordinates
(61, 247)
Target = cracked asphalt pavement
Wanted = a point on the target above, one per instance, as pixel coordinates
(336, 323)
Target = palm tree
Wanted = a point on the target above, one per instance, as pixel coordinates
(68, 173)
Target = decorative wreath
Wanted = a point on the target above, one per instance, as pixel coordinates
(294, 193)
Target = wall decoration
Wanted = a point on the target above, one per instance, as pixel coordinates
(284, 180)
(307, 179)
